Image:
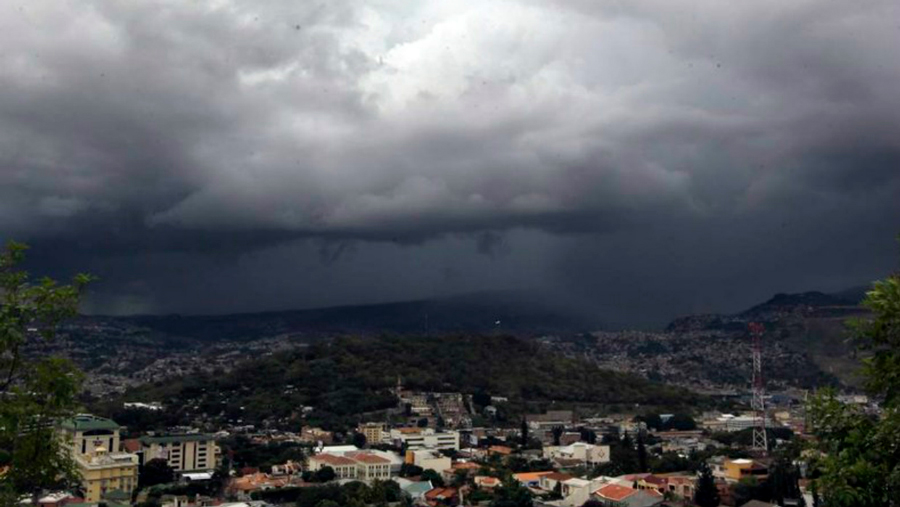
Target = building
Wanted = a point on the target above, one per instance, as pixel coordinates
(374, 432)
(531, 479)
(737, 469)
(355, 465)
(550, 481)
(550, 420)
(344, 467)
(316, 435)
(428, 459)
(425, 438)
(581, 451)
(94, 443)
(193, 452)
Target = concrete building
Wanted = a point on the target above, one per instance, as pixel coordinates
(425, 438)
(373, 431)
(582, 451)
(428, 459)
(344, 468)
(94, 445)
(194, 452)
(354, 465)
(550, 420)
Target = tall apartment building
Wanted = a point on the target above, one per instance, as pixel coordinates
(185, 453)
(94, 444)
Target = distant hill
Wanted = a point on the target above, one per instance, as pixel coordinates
(348, 376)
(810, 323)
(485, 312)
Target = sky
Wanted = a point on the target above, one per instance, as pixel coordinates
(639, 159)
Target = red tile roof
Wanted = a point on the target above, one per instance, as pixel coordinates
(369, 459)
(615, 492)
(652, 479)
(331, 459)
(440, 493)
(556, 476)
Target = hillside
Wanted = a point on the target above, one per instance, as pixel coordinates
(348, 376)
(805, 345)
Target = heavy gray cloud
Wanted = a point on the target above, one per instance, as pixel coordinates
(650, 157)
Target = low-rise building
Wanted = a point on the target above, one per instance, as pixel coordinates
(356, 465)
(425, 438)
(582, 451)
(428, 459)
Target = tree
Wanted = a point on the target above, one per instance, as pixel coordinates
(410, 470)
(359, 440)
(155, 471)
(35, 393)
(481, 399)
(511, 494)
(422, 423)
(430, 475)
(324, 474)
(784, 480)
(557, 434)
(641, 453)
(858, 463)
(523, 433)
(706, 494)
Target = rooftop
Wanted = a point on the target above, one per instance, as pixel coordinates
(170, 439)
(369, 458)
(86, 422)
(615, 492)
(332, 459)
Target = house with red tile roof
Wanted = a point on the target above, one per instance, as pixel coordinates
(442, 496)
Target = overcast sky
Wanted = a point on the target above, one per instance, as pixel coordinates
(645, 158)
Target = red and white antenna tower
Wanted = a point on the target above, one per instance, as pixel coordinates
(758, 403)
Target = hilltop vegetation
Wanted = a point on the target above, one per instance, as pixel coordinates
(349, 376)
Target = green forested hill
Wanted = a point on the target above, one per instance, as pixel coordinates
(348, 376)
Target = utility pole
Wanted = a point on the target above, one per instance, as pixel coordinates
(758, 403)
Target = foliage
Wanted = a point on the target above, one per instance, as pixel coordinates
(349, 376)
(678, 422)
(324, 474)
(784, 480)
(350, 494)
(859, 454)
(35, 392)
(435, 478)
(155, 471)
(511, 494)
(410, 470)
(706, 494)
(246, 453)
(643, 466)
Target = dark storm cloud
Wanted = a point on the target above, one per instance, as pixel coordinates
(193, 139)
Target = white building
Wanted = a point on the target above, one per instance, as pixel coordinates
(425, 438)
(355, 465)
(428, 459)
(589, 453)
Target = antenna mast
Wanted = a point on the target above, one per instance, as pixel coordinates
(758, 403)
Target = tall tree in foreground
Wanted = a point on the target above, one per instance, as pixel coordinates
(706, 494)
(34, 393)
(859, 454)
